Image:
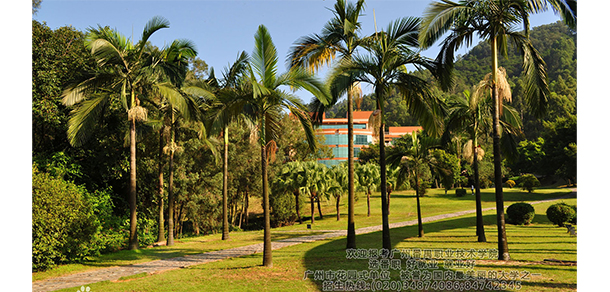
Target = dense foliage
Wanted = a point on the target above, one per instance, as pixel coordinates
(561, 213)
(520, 213)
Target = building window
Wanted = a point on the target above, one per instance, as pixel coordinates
(356, 151)
(361, 140)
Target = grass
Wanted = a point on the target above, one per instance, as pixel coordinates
(529, 244)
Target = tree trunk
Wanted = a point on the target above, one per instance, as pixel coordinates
(161, 235)
(351, 225)
(384, 193)
(420, 224)
(243, 210)
(312, 199)
(502, 240)
(475, 166)
(267, 256)
(319, 208)
(338, 213)
(390, 190)
(247, 205)
(225, 174)
(296, 200)
(368, 202)
(170, 191)
(133, 219)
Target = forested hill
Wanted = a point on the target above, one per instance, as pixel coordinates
(557, 45)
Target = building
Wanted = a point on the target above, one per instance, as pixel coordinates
(335, 134)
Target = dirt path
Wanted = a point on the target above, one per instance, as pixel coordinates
(114, 273)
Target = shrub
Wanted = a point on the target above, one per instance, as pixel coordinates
(64, 226)
(560, 213)
(460, 192)
(520, 213)
(282, 209)
(510, 183)
(528, 182)
(573, 221)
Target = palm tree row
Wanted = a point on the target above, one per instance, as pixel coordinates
(137, 76)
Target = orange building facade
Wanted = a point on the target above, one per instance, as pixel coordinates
(335, 134)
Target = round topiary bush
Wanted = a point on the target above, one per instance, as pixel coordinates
(510, 183)
(560, 213)
(520, 213)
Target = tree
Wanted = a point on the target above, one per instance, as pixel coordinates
(412, 162)
(225, 109)
(316, 182)
(339, 184)
(264, 108)
(389, 52)
(125, 75)
(339, 36)
(368, 178)
(494, 21)
(291, 179)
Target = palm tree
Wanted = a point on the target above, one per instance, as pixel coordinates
(472, 115)
(410, 163)
(291, 178)
(368, 178)
(494, 21)
(315, 184)
(225, 109)
(385, 68)
(339, 36)
(264, 107)
(126, 74)
(338, 184)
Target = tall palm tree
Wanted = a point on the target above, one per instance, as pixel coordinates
(390, 51)
(264, 107)
(472, 114)
(410, 163)
(339, 36)
(494, 21)
(225, 108)
(126, 73)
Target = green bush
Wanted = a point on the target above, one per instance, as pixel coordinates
(282, 209)
(460, 192)
(573, 221)
(560, 213)
(520, 213)
(528, 182)
(64, 225)
(510, 183)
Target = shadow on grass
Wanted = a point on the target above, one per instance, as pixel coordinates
(332, 255)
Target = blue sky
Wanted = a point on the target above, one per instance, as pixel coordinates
(222, 29)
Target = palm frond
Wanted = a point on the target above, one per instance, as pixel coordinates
(154, 24)
(84, 117)
(264, 59)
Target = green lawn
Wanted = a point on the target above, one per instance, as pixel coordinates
(527, 244)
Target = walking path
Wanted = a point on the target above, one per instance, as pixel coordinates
(114, 273)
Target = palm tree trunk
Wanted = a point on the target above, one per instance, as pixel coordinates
(319, 208)
(502, 240)
(368, 202)
(170, 192)
(161, 235)
(133, 219)
(225, 175)
(475, 166)
(247, 205)
(420, 224)
(338, 214)
(267, 256)
(351, 224)
(296, 200)
(384, 192)
(312, 207)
